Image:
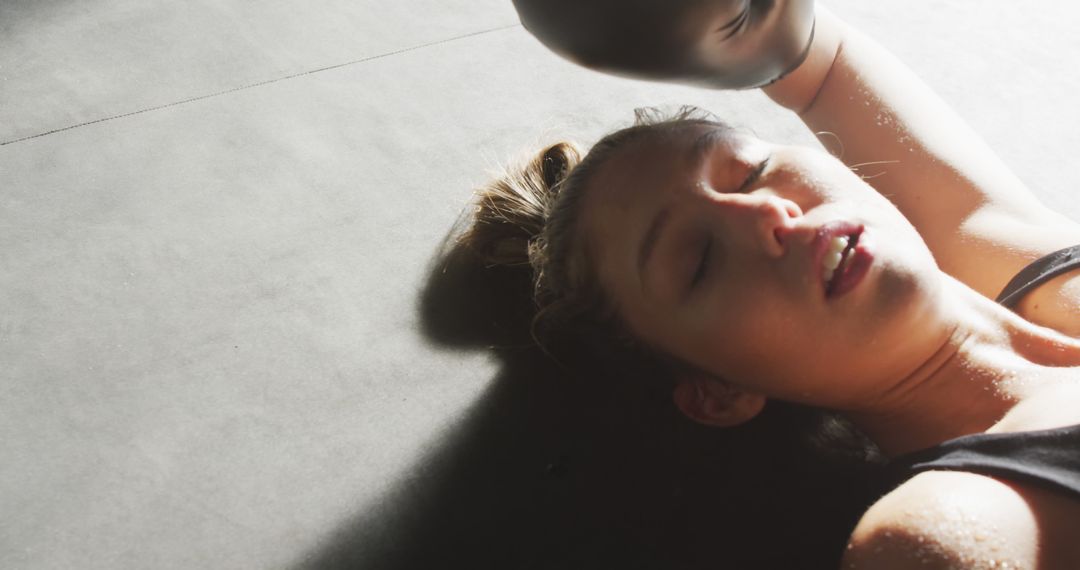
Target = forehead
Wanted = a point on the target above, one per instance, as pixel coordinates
(632, 186)
(648, 168)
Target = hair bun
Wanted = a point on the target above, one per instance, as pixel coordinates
(511, 210)
(555, 164)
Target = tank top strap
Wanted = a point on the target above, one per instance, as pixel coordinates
(1037, 273)
(1044, 458)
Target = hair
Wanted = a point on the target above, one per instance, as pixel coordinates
(528, 218)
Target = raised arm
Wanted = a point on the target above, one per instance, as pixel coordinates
(981, 222)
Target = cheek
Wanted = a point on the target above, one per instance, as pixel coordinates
(820, 178)
(776, 344)
(747, 335)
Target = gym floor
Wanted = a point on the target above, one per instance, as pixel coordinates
(227, 336)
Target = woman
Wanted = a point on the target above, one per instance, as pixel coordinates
(759, 271)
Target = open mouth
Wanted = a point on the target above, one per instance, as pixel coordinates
(837, 259)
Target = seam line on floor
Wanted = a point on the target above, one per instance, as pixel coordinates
(261, 83)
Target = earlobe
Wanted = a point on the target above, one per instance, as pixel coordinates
(714, 402)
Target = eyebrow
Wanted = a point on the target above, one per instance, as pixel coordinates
(706, 142)
(736, 23)
(702, 145)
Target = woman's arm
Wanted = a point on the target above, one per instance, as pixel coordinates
(982, 223)
(958, 520)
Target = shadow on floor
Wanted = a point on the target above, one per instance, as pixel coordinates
(594, 469)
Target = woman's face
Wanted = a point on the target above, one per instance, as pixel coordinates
(715, 247)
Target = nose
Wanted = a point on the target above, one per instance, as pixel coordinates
(776, 223)
(764, 221)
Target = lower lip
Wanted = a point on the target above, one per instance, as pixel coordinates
(854, 271)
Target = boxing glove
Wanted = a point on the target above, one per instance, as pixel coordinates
(730, 44)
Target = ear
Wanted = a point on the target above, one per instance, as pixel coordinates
(713, 402)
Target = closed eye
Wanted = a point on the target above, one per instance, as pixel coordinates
(754, 176)
(737, 24)
(703, 264)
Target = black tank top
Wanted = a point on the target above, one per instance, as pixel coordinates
(1047, 458)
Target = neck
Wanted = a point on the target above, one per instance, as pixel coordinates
(991, 361)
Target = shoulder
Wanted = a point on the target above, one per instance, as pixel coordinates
(946, 520)
(998, 242)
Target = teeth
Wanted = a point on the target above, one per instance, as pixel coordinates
(834, 255)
